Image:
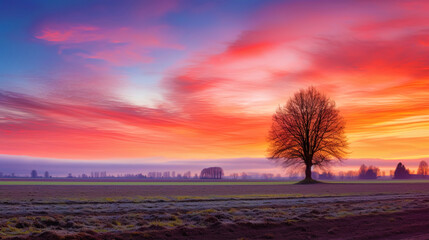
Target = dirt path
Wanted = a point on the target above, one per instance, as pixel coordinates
(93, 208)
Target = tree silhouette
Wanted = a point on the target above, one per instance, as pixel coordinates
(423, 169)
(33, 174)
(308, 131)
(401, 172)
(370, 172)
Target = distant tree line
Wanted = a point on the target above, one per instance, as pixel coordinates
(403, 173)
(34, 174)
(370, 172)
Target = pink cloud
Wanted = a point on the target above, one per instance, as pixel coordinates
(52, 127)
(121, 46)
(73, 34)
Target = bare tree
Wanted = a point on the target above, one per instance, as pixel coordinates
(307, 132)
(423, 169)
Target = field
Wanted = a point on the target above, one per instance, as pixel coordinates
(114, 182)
(64, 209)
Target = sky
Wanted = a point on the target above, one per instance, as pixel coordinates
(148, 82)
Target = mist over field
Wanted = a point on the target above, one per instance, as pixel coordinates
(24, 165)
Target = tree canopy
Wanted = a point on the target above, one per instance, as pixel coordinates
(308, 131)
(423, 169)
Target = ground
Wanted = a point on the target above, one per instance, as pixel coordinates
(264, 210)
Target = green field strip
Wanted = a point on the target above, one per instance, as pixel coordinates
(76, 183)
(65, 183)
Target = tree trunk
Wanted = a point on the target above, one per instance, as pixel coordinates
(308, 172)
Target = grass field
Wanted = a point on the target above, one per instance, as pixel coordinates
(61, 209)
(70, 183)
(196, 183)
